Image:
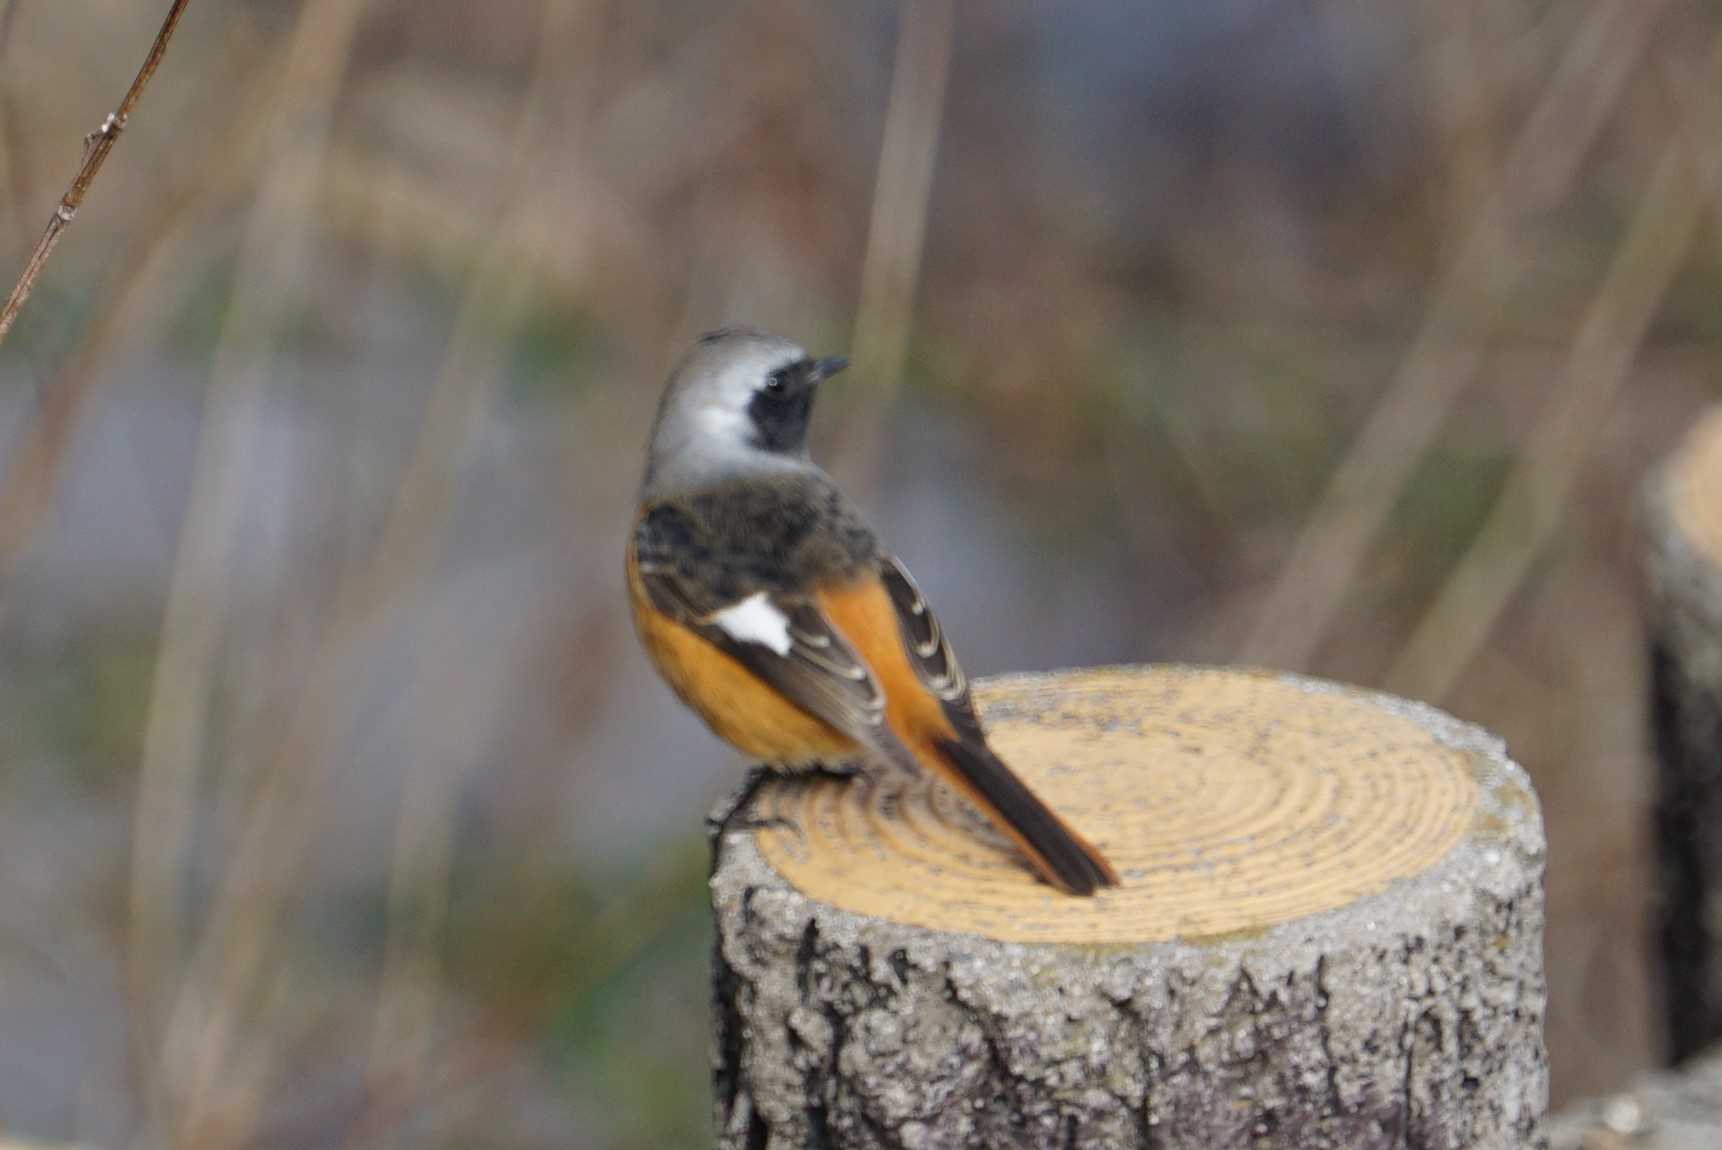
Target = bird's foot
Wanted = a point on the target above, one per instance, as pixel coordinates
(726, 817)
(842, 771)
(739, 815)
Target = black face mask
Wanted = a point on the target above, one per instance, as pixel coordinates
(782, 406)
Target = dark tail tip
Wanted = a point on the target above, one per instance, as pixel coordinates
(1087, 872)
(1061, 856)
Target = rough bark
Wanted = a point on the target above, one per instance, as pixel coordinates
(1411, 1018)
(1685, 572)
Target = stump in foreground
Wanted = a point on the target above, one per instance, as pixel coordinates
(1329, 934)
(1684, 524)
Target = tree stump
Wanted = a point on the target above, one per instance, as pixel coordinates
(1329, 934)
(1683, 519)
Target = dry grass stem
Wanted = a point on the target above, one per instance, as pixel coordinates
(1463, 96)
(96, 148)
(460, 402)
(264, 284)
(11, 138)
(1534, 499)
(898, 228)
(1301, 606)
(235, 944)
(612, 938)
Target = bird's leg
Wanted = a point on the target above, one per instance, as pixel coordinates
(735, 815)
(738, 816)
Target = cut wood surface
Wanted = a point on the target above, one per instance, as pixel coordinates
(1328, 934)
(1683, 523)
(1694, 482)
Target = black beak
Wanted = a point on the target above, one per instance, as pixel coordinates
(828, 367)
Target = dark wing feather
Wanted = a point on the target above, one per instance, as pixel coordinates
(690, 582)
(1061, 854)
(929, 651)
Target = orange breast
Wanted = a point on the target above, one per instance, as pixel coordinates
(735, 703)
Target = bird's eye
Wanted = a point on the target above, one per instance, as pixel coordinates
(777, 381)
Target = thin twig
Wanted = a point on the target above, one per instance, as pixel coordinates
(1534, 499)
(1313, 584)
(33, 469)
(97, 145)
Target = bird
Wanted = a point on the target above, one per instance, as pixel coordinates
(769, 607)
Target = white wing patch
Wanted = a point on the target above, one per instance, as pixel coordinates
(756, 620)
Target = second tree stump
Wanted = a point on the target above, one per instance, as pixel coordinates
(1684, 521)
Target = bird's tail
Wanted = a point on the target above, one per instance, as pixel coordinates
(1061, 856)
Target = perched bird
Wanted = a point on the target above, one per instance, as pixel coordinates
(770, 609)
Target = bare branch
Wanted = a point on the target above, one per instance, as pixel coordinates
(97, 145)
(32, 470)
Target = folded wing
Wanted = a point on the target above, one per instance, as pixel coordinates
(774, 631)
(1061, 855)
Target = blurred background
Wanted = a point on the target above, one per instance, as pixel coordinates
(337, 807)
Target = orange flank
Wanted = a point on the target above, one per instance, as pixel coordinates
(739, 706)
(863, 613)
